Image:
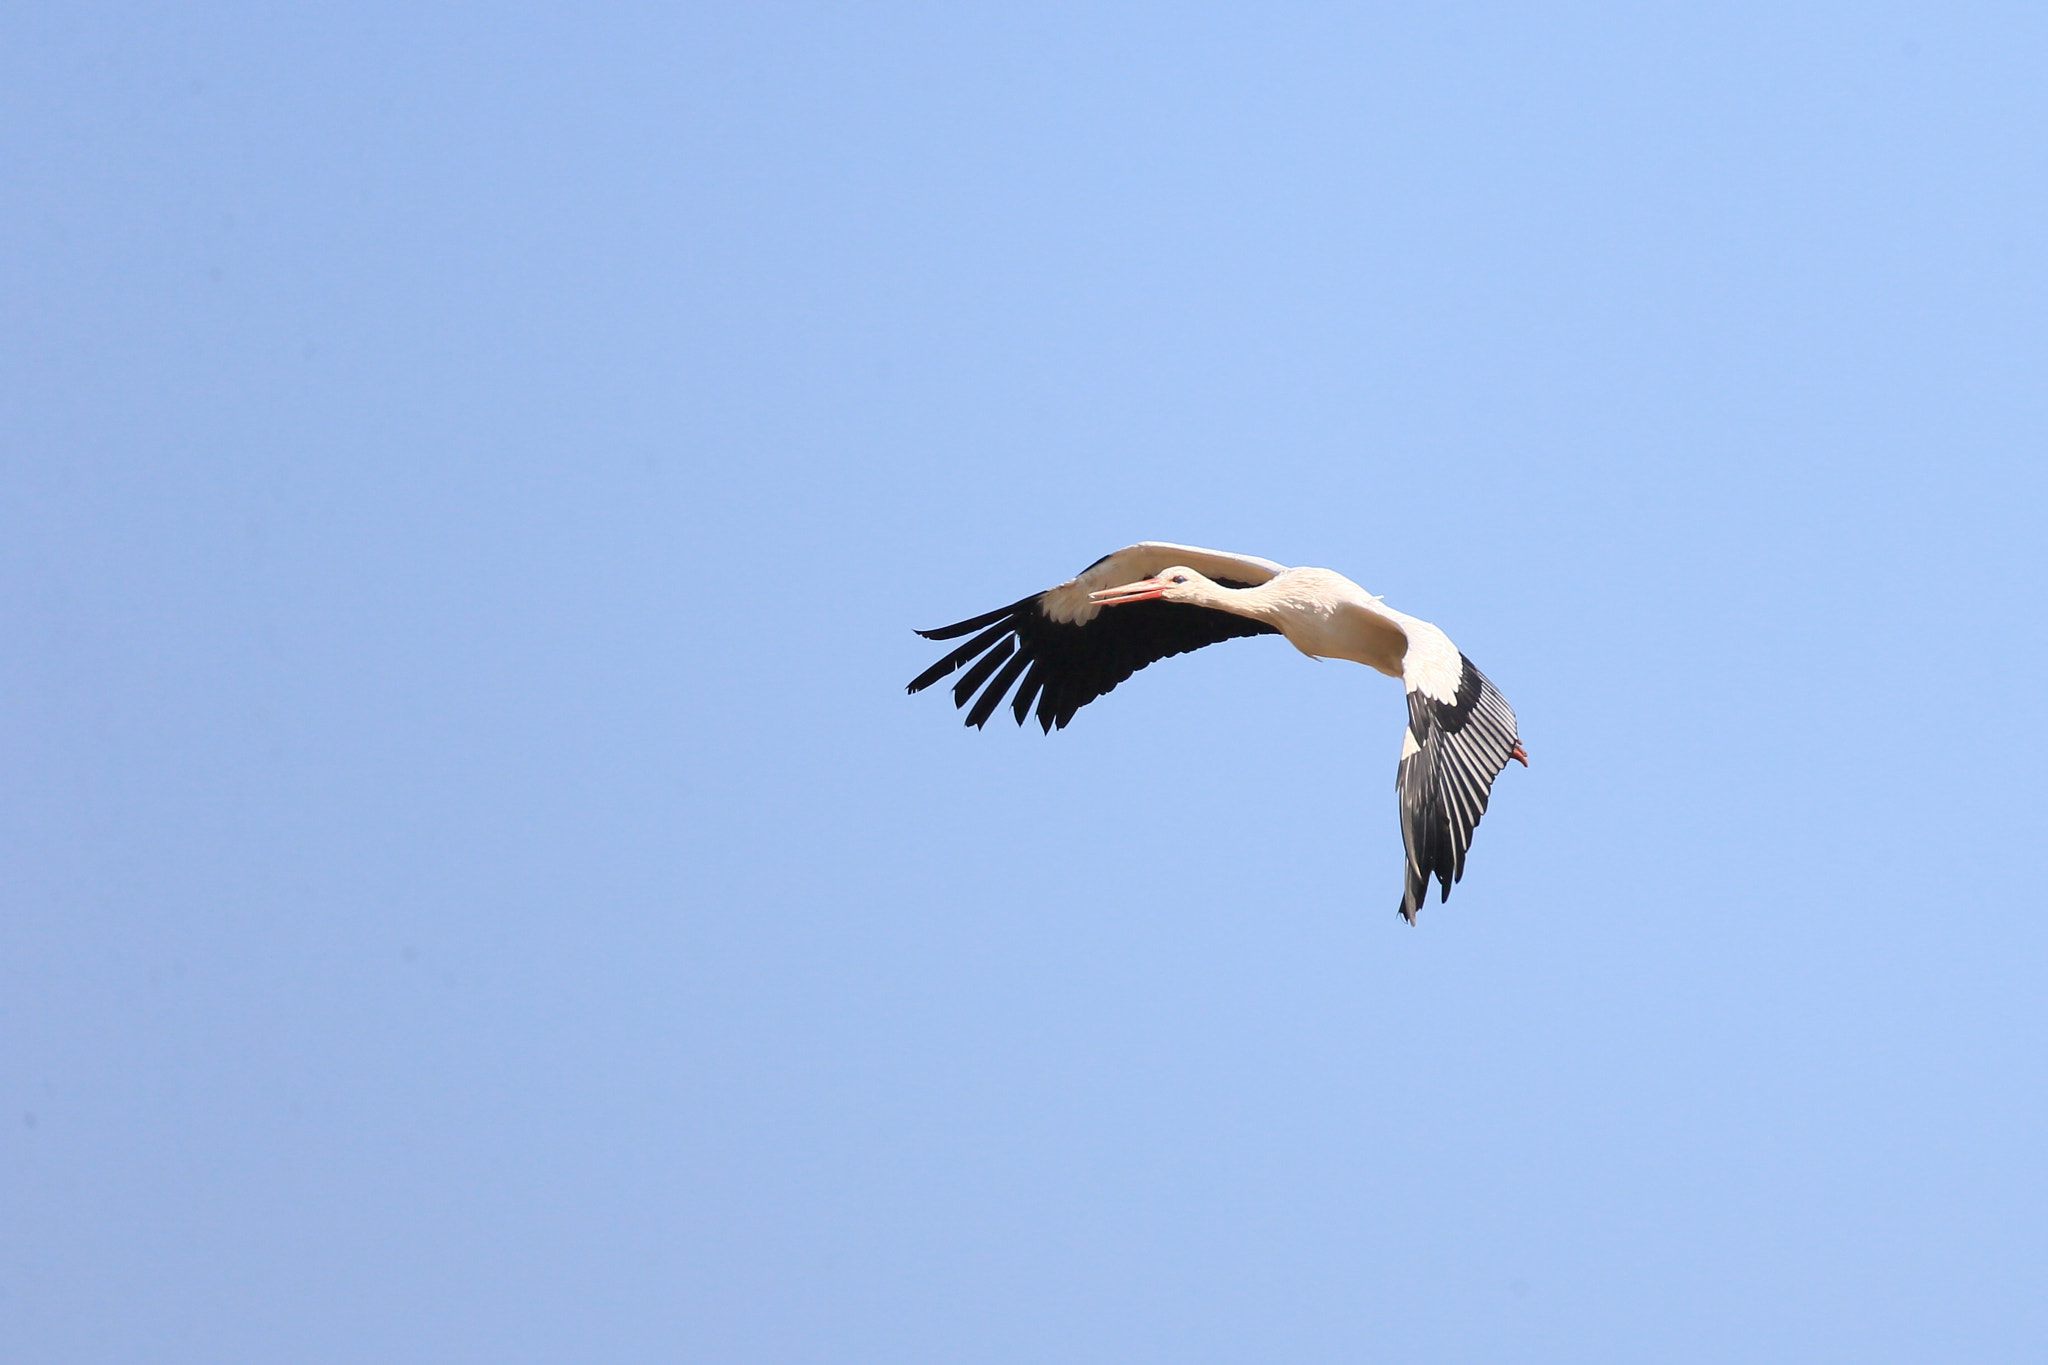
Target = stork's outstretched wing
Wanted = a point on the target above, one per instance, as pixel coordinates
(1450, 754)
(1068, 651)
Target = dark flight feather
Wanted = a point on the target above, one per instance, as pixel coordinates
(1071, 665)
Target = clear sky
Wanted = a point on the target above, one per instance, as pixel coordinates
(476, 890)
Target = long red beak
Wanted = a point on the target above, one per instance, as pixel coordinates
(1519, 756)
(1144, 590)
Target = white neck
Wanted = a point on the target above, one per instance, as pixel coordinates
(1323, 614)
(1260, 603)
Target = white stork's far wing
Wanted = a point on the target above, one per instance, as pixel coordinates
(1073, 651)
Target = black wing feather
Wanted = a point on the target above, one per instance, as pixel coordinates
(960, 655)
(1020, 705)
(992, 697)
(978, 674)
(1071, 665)
(1461, 746)
(959, 628)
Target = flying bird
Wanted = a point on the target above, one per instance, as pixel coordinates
(1153, 600)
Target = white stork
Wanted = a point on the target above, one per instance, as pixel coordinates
(1150, 601)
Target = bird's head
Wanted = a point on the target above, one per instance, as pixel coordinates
(1177, 584)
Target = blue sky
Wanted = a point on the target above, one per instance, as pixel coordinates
(478, 892)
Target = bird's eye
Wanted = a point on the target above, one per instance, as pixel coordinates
(1180, 578)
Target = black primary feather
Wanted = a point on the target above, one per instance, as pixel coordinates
(1071, 665)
